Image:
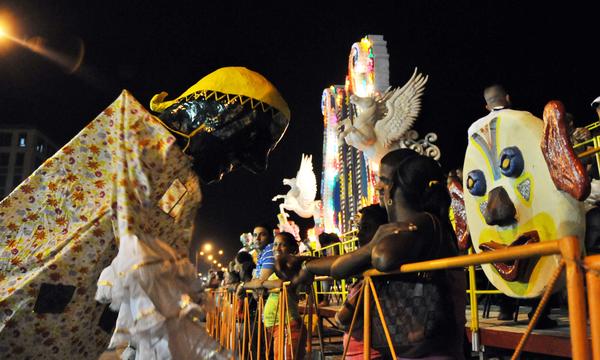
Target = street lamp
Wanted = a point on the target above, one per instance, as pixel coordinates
(214, 261)
(70, 62)
(220, 252)
(201, 253)
(207, 247)
(210, 257)
(6, 26)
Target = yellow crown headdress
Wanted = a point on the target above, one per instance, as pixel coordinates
(230, 82)
(235, 84)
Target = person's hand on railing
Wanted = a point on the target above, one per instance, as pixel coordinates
(303, 277)
(232, 288)
(239, 290)
(288, 266)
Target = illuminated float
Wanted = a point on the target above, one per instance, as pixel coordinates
(363, 120)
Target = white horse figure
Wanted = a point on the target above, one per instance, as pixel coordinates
(301, 197)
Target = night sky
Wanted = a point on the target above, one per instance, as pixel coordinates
(538, 53)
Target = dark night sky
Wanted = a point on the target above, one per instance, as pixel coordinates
(538, 53)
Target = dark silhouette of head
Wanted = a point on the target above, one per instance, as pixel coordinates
(243, 257)
(496, 97)
(371, 217)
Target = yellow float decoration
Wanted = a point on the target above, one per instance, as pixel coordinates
(511, 199)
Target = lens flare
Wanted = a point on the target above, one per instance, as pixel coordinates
(70, 57)
(6, 30)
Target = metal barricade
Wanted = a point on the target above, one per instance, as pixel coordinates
(339, 287)
(238, 330)
(568, 247)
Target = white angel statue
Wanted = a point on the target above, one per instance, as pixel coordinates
(301, 197)
(383, 120)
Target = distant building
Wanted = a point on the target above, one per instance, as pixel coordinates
(22, 150)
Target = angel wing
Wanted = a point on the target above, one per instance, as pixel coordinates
(403, 106)
(306, 181)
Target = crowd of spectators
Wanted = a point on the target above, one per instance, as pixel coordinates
(425, 311)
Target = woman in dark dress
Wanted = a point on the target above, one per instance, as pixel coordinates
(424, 311)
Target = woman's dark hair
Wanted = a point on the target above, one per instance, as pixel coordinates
(328, 238)
(290, 241)
(234, 277)
(421, 180)
(244, 257)
(375, 212)
(371, 218)
(246, 270)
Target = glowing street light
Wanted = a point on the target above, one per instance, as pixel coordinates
(6, 25)
(70, 62)
(201, 253)
(220, 265)
(207, 247)
(220, 252)
(214, 261)
(210, 257)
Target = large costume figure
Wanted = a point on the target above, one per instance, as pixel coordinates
(523, 185)
(124, 187)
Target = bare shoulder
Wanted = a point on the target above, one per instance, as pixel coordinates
(421, 224)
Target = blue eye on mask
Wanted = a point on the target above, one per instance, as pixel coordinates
(476, 183)
(511, 162)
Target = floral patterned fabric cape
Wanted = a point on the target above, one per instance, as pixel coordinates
(122, 196)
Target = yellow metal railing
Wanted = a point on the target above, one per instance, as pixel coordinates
(595, 150)
(567, 247)
(592, 266)
(472, 292)
(594, 141)
(348, 244)
(236, 332)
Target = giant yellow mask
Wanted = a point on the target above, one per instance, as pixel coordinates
(511, 198)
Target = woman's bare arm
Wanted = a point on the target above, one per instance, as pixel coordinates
(395, 244)
(352, 263)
